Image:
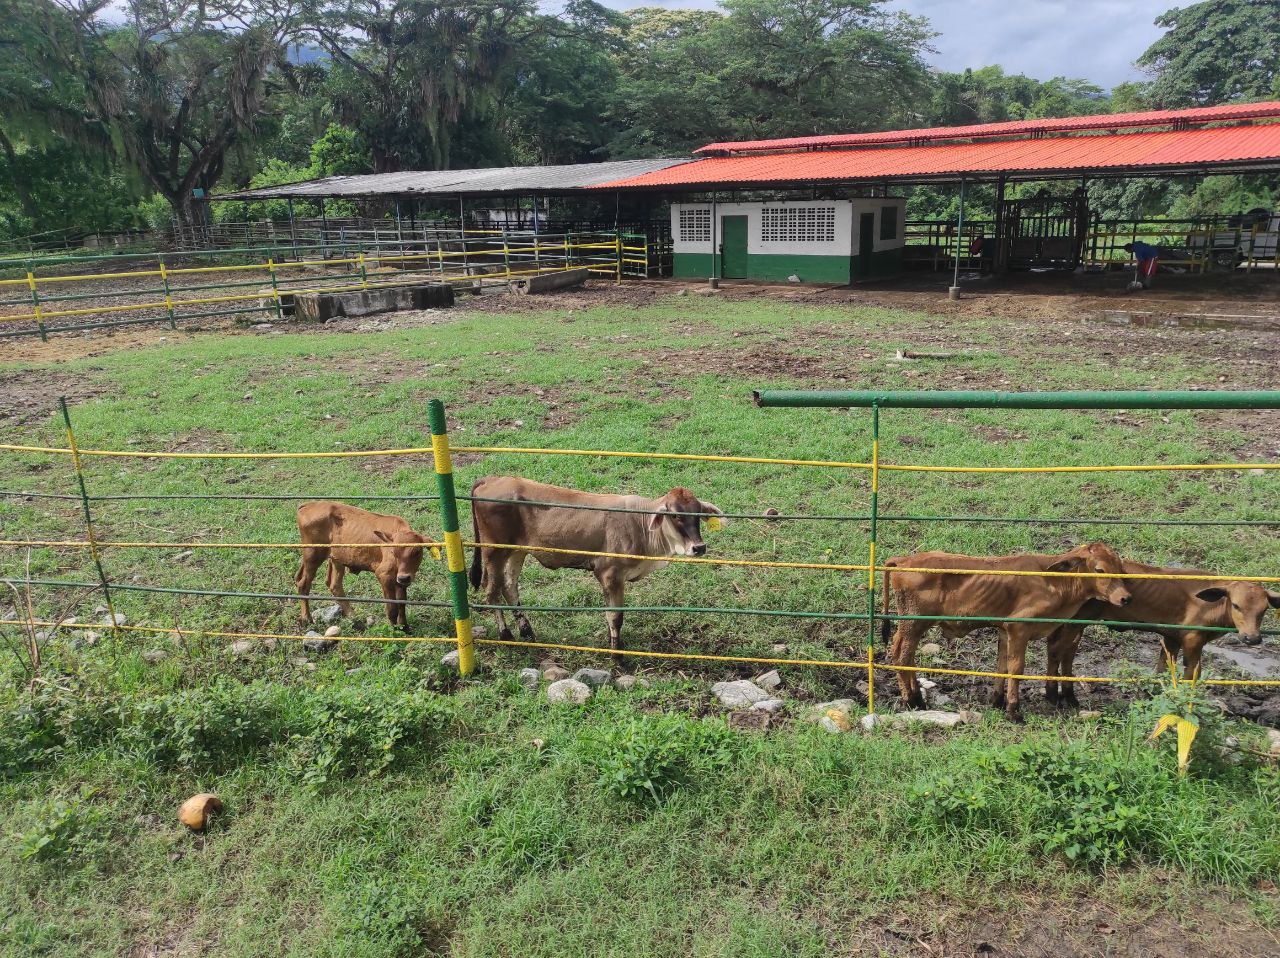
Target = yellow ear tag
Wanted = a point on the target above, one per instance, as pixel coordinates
(714, 524)
(435, 553)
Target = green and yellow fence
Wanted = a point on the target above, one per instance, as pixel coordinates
(37, 299)
(873, 469)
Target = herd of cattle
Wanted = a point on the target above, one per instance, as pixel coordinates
(622, 538)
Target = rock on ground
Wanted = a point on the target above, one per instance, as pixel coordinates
(739, 694)
(154, 657)
(930, 648)
(332, 631)
(328, 615)
(529, 678)
(315, 642)
(241, 648)
(568, 690)
(555, 673)
(772, 706)
(451, 659)
(596, 678)
(770, 680)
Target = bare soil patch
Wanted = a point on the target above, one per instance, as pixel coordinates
(1217, 927)
(31, 396)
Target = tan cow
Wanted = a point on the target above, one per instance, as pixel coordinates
(328, 527)
(999, 597)
(1195, 603)
(586, 521)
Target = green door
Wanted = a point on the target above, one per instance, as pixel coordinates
(866, 242)
(733, 247)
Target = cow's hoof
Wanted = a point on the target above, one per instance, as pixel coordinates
(1071, 702)
(916, 701)
(997, 700)
(506, 635)
(526, 630)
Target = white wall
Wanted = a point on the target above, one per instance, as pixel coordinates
(847, 214)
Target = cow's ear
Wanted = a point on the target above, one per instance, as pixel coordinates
(382, 535)
(711, 510)
(1072, 564)
(655, 520)
(1211, 595)
(1274, 599)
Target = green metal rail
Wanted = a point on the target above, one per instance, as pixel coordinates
(974, 399)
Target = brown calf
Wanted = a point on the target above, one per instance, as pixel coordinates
(328, 527)
(1195, 603)
(654, 528)
(995, 596)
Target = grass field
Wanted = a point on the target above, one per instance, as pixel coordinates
(377, 808)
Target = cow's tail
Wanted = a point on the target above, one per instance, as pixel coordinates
(477, 566)
(886, 624)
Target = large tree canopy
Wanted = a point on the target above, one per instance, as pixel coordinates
(1216, 52)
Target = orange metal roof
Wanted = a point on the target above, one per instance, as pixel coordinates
(1070, 124)
(1101, 154)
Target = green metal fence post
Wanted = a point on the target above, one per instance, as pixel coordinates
(275, 288)
(871, 564)
(90, 532)
(454, 555)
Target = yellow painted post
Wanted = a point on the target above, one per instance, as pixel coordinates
(35, 302)
(168, 298)
(452, 539)
(617, 265)
(364, 279)
(506, 255)
(275, 289)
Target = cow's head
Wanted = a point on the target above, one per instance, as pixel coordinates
(678, 522)
(1246, 602)
(1102, 562)
(404, 553)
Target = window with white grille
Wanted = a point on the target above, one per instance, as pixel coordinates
(798, 224)
(695, 226)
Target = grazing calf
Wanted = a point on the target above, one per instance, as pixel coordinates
(345, 535)
(655, 529)
(996, 596)
(1195, 603)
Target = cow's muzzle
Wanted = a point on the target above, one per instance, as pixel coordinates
(403, 579)
(699, 549)
(1121, 597)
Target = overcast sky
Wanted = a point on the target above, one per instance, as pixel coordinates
(1094, 39)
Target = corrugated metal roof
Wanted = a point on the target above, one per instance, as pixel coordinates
(1114, 154)
(1070, 124)
(494, 181)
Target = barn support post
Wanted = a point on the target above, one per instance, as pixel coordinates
(454, 555)
(89, 529)
(954, 292)
(462, 231)
(1002, 252)
(714, 278)
(537, 258)
(293, 232)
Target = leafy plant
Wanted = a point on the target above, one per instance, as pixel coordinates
(644, 761)
(62, 828)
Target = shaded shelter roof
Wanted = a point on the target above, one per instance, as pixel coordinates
(496, 181)
(1189, 151)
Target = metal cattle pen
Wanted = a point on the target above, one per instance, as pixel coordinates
(874, 468)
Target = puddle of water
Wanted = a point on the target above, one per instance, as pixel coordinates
(1118, 317)
(1257, 662)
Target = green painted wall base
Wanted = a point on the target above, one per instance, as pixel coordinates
(810, 269)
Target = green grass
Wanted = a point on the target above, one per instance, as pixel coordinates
(473, 842)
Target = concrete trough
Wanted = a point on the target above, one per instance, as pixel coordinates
(546, 282)
(322, 307)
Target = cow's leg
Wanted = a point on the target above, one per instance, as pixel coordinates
(1015, 663)
(336, 571)
(311, 560)
(511, 588)
(402, 610)
(1000, 687)
(494, 580)
(1067, 669)
(1192, 649)
(613, 583)
(905, 641)
(390, 594)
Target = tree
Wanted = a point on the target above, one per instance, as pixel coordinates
(408, 73)
(1217, 51)
(176, 84)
